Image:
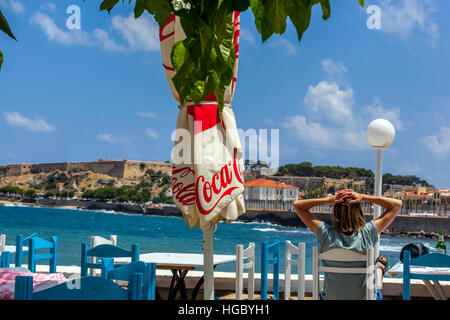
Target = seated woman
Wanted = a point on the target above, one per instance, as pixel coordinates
(349, 231)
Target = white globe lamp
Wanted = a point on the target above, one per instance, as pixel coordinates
(380, 133)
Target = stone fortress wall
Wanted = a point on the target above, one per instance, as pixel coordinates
(123, 169)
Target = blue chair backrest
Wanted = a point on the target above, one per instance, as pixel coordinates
(5, 259)
(35, 243)
(273, 249)
(105, 251)
(88, 288)
(437, 260)
(125, 273)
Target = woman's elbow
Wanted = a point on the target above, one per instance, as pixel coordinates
(297, 205)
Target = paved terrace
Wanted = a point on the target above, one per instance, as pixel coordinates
(225, 283)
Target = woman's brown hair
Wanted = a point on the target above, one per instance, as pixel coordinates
(348, 218)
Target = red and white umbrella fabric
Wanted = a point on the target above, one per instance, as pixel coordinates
(207, 172)
(208, 185)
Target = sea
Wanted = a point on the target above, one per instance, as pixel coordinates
(162, 234)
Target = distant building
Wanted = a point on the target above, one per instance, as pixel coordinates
(265, 189)
(442, 196)
(60, 186)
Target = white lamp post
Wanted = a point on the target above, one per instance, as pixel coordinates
(380, 134)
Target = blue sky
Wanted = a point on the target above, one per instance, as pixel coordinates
(100, 92)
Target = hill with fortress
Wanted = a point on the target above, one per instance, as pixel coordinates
(122, 169)
(46, 178)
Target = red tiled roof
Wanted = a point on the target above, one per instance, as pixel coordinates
(420, 196)
(267, 183)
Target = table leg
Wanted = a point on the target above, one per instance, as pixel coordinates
(439, 289)
(197, 286)
(177, 284)
(431, 289)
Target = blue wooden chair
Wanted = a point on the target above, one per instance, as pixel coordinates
(89, 288)
(35, 243)
(437, 260)
(105, 251)
(273, 249)
(5, 259)
(125, 273)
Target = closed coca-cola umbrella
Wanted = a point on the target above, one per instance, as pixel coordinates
(207, 179)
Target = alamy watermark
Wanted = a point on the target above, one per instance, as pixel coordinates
(73, 22)
(374, 20)
(211, 147)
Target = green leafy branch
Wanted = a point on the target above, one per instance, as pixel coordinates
(4, 26)
(204, 61)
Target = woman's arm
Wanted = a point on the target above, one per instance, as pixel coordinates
(302, 209)
(392, 207)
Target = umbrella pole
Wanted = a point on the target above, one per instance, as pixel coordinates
(208, 261)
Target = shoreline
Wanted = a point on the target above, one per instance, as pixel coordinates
(403, 226)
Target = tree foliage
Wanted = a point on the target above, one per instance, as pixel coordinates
(204, 61)
(306, 169)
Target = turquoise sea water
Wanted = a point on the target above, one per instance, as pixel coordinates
(159, 234)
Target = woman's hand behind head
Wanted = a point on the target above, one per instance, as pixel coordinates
(352, 196)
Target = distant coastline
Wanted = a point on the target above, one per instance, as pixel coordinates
(403, 226)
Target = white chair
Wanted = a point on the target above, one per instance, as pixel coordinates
(344, 255)
(241, 255)
(300, 262)
(2, 242)
(96, 241)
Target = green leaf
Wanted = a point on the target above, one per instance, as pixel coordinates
(361, 3)
(326, 9)
(179, 55)
(4, 26)
(240, 5)
(160, 9)
(299, 12)
(1, 59)
(108, 5)
(139, 8)
(270, 16)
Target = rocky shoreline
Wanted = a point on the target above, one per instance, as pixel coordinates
(403, 226)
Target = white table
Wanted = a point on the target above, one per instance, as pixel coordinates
(12, 249)
(434, 288)
(180, 264)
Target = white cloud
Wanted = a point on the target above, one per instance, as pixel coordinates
(109, 138)
(247, 36)
(285, 45)
(15, 6)
(106, 43)
(56, 34)
(320, 136)
(137, 34)
(403, 17)
(140, 34)
(15, 119)
(48, 6)
(439, 144)
(329, 101)
(333, 68)
(149, 114)
(331, 122)
(376, 110)
(151, 133)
